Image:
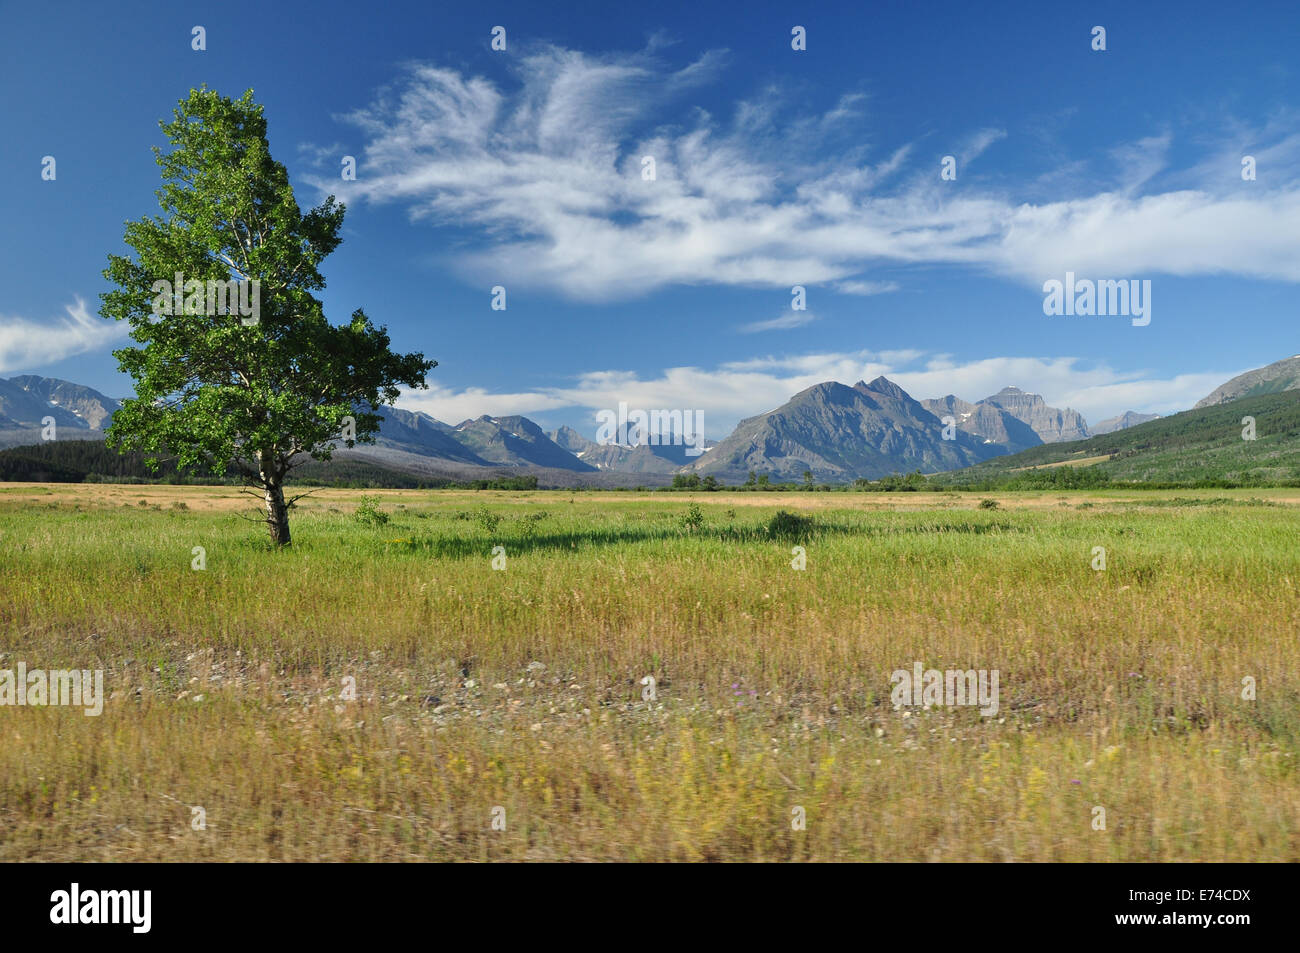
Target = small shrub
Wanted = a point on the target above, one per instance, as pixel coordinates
(368, 512)
(988, 504)
(693, 518)
(528, 522)
(487, 519)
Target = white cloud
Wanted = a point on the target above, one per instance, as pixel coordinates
(783, 322)
(976, 144)
(866, 287)
(27, 344)
(453, 406)
(316, 156)
(548, 179)
(1096, 391)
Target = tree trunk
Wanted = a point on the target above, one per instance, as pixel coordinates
(277, 514)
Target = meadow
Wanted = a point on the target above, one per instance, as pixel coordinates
(380, 691)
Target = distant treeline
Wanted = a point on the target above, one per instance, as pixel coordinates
(1042, 478)
(358, 475)
(762, 483)
(89, 461)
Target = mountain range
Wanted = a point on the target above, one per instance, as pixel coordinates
(840, 433)
(666, 458)
(835, 432)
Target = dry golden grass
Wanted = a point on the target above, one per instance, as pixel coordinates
(479, 689)
(1073, 462)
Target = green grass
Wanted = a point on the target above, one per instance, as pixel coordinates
(522, 688)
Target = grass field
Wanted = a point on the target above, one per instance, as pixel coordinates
(514, 698)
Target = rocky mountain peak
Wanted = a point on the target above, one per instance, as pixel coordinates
(883, 386)
(1050, 424)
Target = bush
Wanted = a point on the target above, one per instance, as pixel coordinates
(787, 525)
(369, 513)
(487, 519)
(693, 518)
(988, 504)
(528, 523)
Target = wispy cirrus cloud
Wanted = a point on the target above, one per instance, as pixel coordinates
(547, 178)
(316, 156)
(783, 322)
(977, 143)
(866, 287)
(26, 344)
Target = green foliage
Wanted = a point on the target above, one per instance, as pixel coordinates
(988, 504)
(501, 483)
(894, 483)
(693, 518)
(210, 390)
(19, 464)
(528, 523)
(487, 519)
(369, 513)
(89, 461)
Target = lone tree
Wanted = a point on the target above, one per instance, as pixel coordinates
(267, 385)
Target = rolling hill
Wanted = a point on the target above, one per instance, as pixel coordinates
(1275, 378)
(1199, 446)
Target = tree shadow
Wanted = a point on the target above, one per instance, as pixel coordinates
(519, 543)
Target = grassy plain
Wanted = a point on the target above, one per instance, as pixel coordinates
(479, 689)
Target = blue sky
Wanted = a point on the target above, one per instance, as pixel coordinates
(774, 168)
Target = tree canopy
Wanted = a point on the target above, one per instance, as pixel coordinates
(236, 366)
